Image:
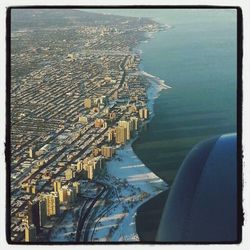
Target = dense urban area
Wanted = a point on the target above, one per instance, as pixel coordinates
(77, 96)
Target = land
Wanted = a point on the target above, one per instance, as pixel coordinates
(77, 97)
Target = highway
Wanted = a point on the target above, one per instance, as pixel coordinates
(85, 212)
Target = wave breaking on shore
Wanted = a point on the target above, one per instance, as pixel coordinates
(155, 79)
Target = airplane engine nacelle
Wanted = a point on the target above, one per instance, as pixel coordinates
(202, 203)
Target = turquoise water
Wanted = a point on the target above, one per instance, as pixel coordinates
(197, 58)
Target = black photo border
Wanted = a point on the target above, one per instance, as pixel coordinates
(240, 214)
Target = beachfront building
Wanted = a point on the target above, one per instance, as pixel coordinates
(121, 135)
(107, 151)
(92, 165)
(90, 171)
(134, 122)
(127, 126)
(143, 113)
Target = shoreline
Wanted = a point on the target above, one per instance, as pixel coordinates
(155, 79)
(126, 165)
(141, 185)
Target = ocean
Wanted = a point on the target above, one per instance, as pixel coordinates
(197, 57)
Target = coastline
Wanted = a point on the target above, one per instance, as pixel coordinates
(126, 165)
(140, 185)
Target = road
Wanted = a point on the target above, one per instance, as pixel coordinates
(82, 224)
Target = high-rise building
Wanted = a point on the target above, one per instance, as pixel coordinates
(37, 212)
(71, 194)
(121, 135)
(33, 189)
(63, 197)
(96, 151)
(96, 101)
(110, 134)
(107, 151)
(31, 152)
(57, 185)
(87, 103)
(143, 113)
(127, 126)
(52, 203)
(134, 121)
(33, 214)
(69, 174)
(42, 212)
(77, 187)
(30, 233)
(68, 193)
(90, 171)
(98, 162)
(91, 165)
(79, 166)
